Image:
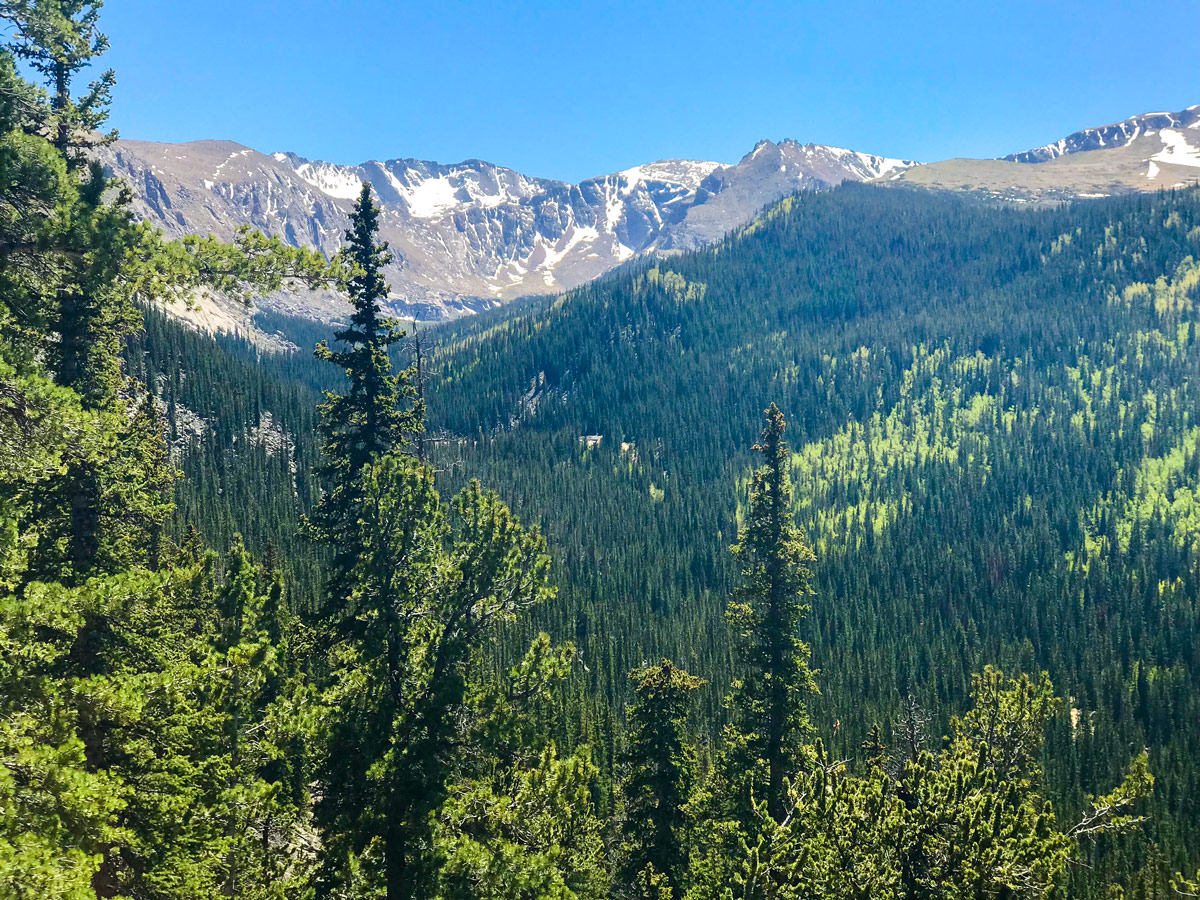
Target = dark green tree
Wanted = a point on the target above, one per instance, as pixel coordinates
(380, 409)
(116, 767)
(59, 39)
(427, 590)
(260, 803)
(521, 820)
(970, 821)
(770, 716)
(411, 594)
(90, 263)
(661, 774)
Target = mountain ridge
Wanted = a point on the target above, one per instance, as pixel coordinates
(472, 234)
(1147, 152)
(1111, 136)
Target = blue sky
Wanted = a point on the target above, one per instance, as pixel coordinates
(570, 90)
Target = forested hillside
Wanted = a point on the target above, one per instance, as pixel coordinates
(993, 449)
(857, 556)
(994, 433)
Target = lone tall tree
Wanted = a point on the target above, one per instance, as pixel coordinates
(662, 772)
(770, 718)
(381, 406)
(414, 592)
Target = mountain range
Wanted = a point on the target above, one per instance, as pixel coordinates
(1150, 152)
(472, 235)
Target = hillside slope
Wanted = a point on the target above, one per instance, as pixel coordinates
(994, 433)
(994, 447)
(1150, 152)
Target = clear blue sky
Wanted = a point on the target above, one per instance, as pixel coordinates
(570, 90)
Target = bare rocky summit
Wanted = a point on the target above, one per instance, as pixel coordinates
(473, 234)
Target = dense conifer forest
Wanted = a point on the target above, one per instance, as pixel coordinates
(856, 556)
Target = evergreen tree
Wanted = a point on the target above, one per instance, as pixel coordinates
(426, 590)
(969, 821)
(770, 718)
(263, 811)
(57, 811)
(520, 821)
(59, 39)
(116, 768)
(380, 409)
(93, 261)
(159, 724)
(658, 784)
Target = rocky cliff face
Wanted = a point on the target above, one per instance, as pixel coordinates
(470, 235)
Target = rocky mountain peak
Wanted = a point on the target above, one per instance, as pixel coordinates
(471, 234)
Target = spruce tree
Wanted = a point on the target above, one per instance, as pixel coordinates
(380, 408)
(521, 820)
(413, 590)
(59, 39)
(115, 768)
(661, 773)
(770, 718)
(93, 263)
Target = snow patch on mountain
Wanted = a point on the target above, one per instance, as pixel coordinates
(1108, 137)
(431, 198)
(1176, 149)
(553, 254)
(472, 234)
(863, 164)
(335, 181)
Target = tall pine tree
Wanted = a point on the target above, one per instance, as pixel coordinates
(380, 409)
(87, 263)
(770, 716)
(661, 773)
(415, 590)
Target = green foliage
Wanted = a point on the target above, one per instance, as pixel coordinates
(58, 813)
(658, 783)
(526, 832)
(379, 411)
(770, 716)
(1185, 887)
(971, 820)
(59, 39)
(995, 454)
(519, 819)
(145, 727)
(427, 589)
(968, 451)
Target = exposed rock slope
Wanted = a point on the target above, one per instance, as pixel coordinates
(473, 234)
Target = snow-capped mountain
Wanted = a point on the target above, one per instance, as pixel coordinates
(1111, 137)
(473, 234)
(1150, 152)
